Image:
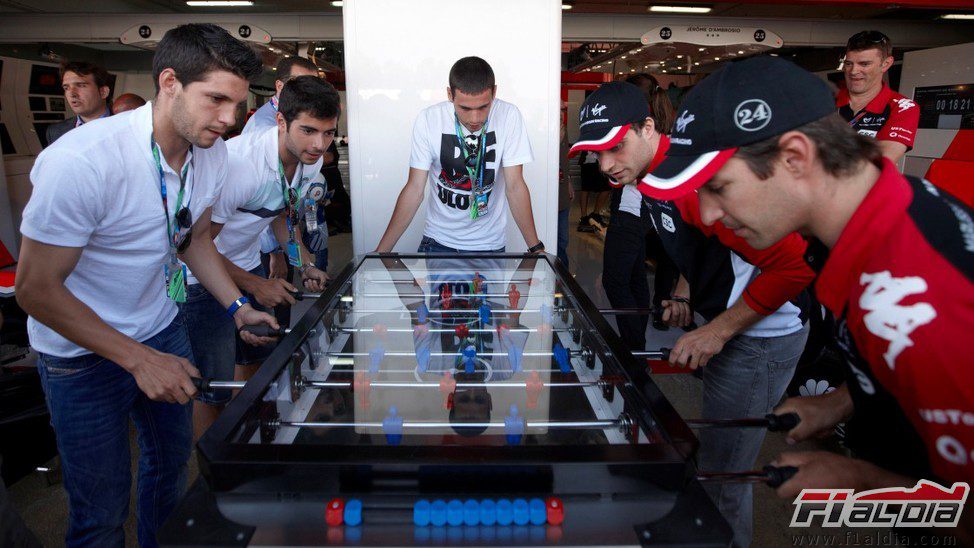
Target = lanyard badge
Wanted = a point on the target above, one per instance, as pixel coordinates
(475, 160)
(292, 198)
(179, 239)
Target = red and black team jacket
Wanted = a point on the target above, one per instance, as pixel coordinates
(900, 283)
(888, 117)
(721, 267)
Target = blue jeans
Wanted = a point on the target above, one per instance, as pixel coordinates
(563, 236)
(317, 242)
(429, 245)
(747, 379)
(91, 400)
(216, 344)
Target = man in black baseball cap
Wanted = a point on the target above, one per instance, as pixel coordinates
(769, 156)
(753, 300)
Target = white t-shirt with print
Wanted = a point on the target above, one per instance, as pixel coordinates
(252, 197)
(435, 148)
(98, 188)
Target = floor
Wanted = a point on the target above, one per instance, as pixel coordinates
(43, 505)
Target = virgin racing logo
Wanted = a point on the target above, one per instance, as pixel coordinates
(925, 505)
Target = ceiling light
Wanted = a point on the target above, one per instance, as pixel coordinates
(664, 71)
(680, 9)
(774, 55)
(716, 58)
(623, 56)
(218, 3)
(632, 70)
(740, 52)
(566, 6)
(696, 64)
(337, 3)
(701, 49)
(679, 57)
(286, 55)
(957, 16)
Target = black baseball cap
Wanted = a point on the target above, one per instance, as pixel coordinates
(740, 104)
(607, 114)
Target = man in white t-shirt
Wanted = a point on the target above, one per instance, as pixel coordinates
(471, 150)
(274, 184)
(100, 278)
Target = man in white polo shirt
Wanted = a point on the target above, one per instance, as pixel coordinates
(100, 278)
(471, 150)
(274, 181)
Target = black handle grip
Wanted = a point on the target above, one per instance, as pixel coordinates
(298, 295)
(779, 474)
(263, 330)
(664, 354)
(782, 423)
(201, 385)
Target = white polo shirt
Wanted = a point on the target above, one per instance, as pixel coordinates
(253, 197)
(98, 188)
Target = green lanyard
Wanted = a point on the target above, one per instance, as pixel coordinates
(476, 174)
(172, 229)
(291, 197)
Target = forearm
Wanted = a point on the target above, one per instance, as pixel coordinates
(56, 307)
(240, 277)
(519, 200)
(406, 207)
(892, 150)
(734, 320)
(682, 287)
(208, 266)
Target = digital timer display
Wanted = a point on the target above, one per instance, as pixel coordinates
(946, 107)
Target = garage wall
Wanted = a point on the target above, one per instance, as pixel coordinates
(394, 70)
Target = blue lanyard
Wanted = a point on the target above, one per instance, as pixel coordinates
(172, 229)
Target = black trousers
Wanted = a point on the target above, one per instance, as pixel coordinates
(664, 280)
(624, 273)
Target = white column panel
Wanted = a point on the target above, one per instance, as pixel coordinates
(397, 61)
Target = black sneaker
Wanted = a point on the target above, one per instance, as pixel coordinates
(583, 225)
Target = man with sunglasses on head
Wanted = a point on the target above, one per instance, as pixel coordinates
(867, 102)
(471, 149)
(115, 206)
(274, 185)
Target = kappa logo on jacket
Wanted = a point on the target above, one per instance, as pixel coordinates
(886, 318)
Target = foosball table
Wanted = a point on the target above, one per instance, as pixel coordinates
(448, 399)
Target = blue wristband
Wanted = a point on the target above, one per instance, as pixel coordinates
(233, 308)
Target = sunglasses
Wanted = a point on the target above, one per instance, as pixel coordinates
(870, 37)
(184, 220)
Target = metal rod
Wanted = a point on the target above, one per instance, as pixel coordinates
(412, 371)
(555, 425)
(528, 281)
(439, 330)
(453, 311)
(499, 384)
(424, 295)
(393, 384)
(622, 311)
(571, 354)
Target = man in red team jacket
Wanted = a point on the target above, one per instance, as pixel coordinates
(898, 277)
(868, 104)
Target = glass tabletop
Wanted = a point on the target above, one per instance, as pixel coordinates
(450, 350)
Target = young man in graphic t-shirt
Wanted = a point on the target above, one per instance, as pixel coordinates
(471, 150)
